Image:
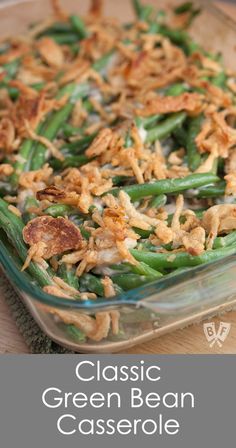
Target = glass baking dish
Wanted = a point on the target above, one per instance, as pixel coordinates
(165, 305)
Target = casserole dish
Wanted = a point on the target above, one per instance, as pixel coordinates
(159, 307)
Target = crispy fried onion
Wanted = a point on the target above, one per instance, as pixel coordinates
(31, 107)
(109, 146)
(77, 187)
(216, 134)
(217, 220)
(230, 184)
(189, 102)
(35, 253)
(109, 290)
(189, 235)
(58, 11)
(37, 179)
(57, 234)
(50, 52)
(109, 244)
(136, 219)
(96, 328)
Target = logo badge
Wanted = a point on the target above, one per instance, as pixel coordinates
(214, 336)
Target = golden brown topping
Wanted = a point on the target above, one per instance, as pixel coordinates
(95, 329)
(50, 193)
(109, 290)
(164, 233)
(37, 179)
(190, 102)
(6, 170)
(56, 291)
(58, 234)
(219, 219)
(217, 135)
(100, 143)
(194, 242)
(7, 135)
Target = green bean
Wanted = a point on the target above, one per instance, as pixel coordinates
(128, 140)
(192, 47)
(6, 189)
(55, 122)
(57, 27)
(78, 26)
(78, 146)
(13, 92)
(50, 133)
(25, 153)
(212, 191)
(178, 37)
(11, 68)
(180, 259)
(13, 226)
(198, 213)
(214, 169)
(147, 122)
(181, 136)
(4, 47)
(166, 127)
(56, 210)
(158, 201)
(131, 281)
(167, 186)
(70, 131)
(147, 246)
(193, 156)
(85, 233)
(142, 12)
(225, 241)
(177, 272)
(68, 275)
(88, 106)
(154, 28)
(29, 146)
(146, 12)
(75, 333)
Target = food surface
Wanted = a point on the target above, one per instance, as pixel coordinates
(118, 154)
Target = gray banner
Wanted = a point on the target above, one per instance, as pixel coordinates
(191, 401)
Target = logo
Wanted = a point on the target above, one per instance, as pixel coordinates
(214, 336)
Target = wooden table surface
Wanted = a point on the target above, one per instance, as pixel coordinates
(190, 340)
